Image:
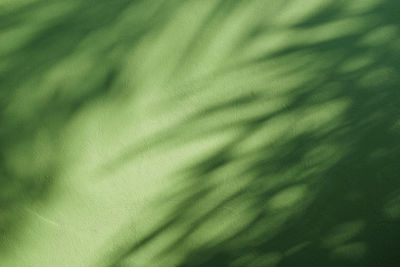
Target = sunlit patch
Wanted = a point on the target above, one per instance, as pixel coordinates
(324, 116)
(392, 208)
(203, 225)
(356, 63)
(380, 36)
(343, 233)
(352, 251)
(378, 77)
(297, 11)
(269, 133)
(288, 197)
(13, 39)
(323, 156)
(361, 6)
(330, 31)
(297, 248)
(396, 126)
(377, 154)
(270, 259)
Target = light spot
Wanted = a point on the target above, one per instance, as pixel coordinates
(380, 36)
(287, 197)
(353, 251)
(254, 260)
(342, 233)
(392, 208)
(297, 248)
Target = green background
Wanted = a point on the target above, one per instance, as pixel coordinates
(199, 133)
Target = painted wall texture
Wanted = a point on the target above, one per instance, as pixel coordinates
(161, 133)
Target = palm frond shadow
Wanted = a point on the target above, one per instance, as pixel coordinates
(56, 59)
(324, 191)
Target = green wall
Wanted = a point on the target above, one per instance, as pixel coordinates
(199, 133)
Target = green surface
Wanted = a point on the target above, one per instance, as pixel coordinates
(199, 133)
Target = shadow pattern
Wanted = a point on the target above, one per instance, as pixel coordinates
(56, 58)
(323, 190)
(310, 181)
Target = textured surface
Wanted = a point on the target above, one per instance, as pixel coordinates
(199, 133)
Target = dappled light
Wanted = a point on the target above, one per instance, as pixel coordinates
(200, 133)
